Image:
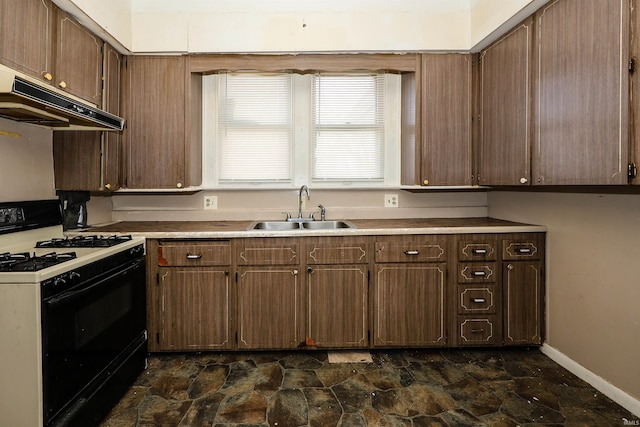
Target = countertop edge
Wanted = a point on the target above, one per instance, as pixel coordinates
(339, 232)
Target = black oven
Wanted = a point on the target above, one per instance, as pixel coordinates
(93, 336)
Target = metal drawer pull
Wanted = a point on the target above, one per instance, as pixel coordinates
(480, 273)
(523, 250)
(479, 251)
(414, 252)
(194, 256)
(477, 331)
(478, 300)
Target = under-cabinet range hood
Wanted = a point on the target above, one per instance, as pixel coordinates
(26, 100)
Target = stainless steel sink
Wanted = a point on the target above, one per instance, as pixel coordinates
(304, 225)
(275, 225)
(326, 225)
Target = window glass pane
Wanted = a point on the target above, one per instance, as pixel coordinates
(348, 127)
(255, 130)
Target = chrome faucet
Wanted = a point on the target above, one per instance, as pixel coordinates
(302, 190)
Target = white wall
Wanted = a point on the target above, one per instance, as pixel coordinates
(593, 277)
(26, 162)
(145, 26)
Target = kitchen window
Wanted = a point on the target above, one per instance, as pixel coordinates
(279, 130)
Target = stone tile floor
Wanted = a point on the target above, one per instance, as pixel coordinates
(450, 387)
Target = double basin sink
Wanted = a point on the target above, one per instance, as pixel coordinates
(302, 225)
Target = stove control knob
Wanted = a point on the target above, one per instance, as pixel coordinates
(74, 276)
(60, 281)
(136, 251)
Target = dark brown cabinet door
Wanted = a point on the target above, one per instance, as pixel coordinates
(581, 93)
(112, 141)
(408, 305)
(337, 311)
(270, 308)
(78, 59)
(76, 160)
(194, 312)
(26, 36)
(446, 119)
(154, 106)
(523, 302)
(505, 109)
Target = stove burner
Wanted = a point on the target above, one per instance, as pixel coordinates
(25, 262)
(84, 241)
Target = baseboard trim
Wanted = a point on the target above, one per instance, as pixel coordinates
(614, 393)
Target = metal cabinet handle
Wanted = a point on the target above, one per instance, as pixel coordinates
(478, 300)
(523, 250)
(414, 252)
(477, 331)
(194, 256)
(309, 270)
(479, 251)
(479, 273)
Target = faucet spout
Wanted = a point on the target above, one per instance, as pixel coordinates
(303, 189)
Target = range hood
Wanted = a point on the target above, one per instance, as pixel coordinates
(26, 100)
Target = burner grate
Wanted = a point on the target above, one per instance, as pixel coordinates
(25, 262)
(84, 241)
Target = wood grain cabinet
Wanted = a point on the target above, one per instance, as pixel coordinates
(506, 67)
(158, 149)
(409, 291)
(270, 294)
(193, 296)
(337, 273)
(523, 287)
(90, 160)
(43, 41)
(581, 123)
(436, 121)
(478, 297)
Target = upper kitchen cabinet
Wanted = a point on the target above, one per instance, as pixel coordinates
(111, 141)
(41, 40)
(78, 59)
(26, 29)
(90, 160)
(436, 148)
(504, 152)
(157, 103)
(581, 93)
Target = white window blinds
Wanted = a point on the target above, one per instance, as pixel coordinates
(348, 127)
(255, 128)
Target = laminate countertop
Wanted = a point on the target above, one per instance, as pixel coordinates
(235, 229)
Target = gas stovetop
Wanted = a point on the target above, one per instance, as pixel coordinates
(88, 241)
(24, 261)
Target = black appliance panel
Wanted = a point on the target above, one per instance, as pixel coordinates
(87, 326)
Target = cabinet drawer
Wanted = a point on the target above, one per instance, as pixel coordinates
(477, 299)
(348, 253)
(183, 254)
(478, 330)
(521, 249)
(411, 251)
(477, 251)
(476, 272)
(268, 255)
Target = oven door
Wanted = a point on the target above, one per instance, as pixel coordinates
(86, 328)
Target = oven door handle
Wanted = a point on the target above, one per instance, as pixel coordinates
(77, 293)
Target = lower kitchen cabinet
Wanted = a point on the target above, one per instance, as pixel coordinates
(409, 308)
(409, 292)
(269, 293)
(523, 290)
(270, 313)
(189, 295)
(337, 275)
(342, 292)
(195, 309)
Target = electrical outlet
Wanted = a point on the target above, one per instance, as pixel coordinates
(390, 200)
(210, 202)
